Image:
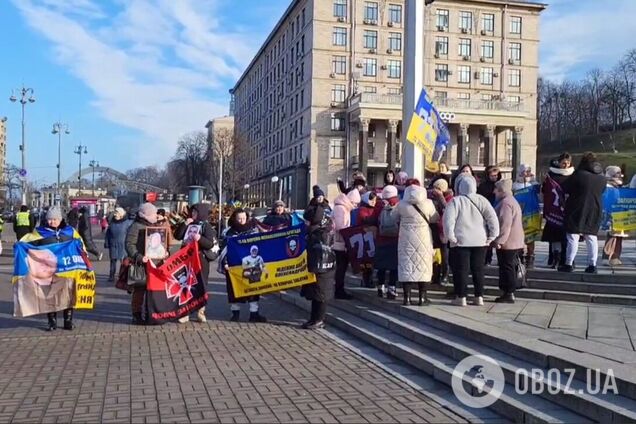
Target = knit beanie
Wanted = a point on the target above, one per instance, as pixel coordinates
(54, 213)
(441, 184)
(389, 192)
(317, 191)
(504, 185)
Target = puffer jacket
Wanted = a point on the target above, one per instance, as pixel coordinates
(583, 207)
(343, 205)
(469, 219)
(415, 243)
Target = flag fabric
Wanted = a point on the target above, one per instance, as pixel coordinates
(553, 202)
(360, 245)
(51, 278)
(427, 130)
(176, 288)
(619, 209)
(268, 262)
(528, 199)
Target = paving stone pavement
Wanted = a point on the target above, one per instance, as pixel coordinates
(109, 371)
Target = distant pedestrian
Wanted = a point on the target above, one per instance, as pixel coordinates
(22, 225)
(441, 196)
(386, 253)
(72, 217)
(85, 230)
(584, 210)
(511, 239)
(115, 241)
(415, 244)
(343, 205)
(470, 224)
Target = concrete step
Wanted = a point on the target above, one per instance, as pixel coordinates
(536, 348)
(575, 286)
(577, 276)
(569, 296)
(436, 361)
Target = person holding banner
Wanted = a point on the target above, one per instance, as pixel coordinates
(278, 218)
(614, 243)
(343, 205)
(367, 214)
(386, 255)
(239, 224)
(526, 188)
(584, 210)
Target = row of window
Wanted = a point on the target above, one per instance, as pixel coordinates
(371, 11)
(337, 148)
(442, 96)
(466, 21)
(485, 75)
(487, 51)
(369, 39)
(369, 66)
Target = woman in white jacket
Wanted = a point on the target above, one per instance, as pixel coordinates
(415, 243)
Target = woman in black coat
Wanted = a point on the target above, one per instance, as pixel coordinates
(584, 210)
(208, 246)
(85, 230)
(318, 217)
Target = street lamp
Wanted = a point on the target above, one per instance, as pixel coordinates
(26, 96)
(246, 187)
(275, 179)
(80, 150)
(59, 128)
(93, 164)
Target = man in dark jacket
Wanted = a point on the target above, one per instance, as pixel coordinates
(583, 210)
(278, 218)
(85, 230)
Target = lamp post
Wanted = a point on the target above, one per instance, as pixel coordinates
(26, 96)
(275, 179)
(220, 191)
(246, 187)
(93, 164)
(80, 150)
(59, 128)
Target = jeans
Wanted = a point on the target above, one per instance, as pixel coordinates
(591, 241)
(507, 274)
(465, 260)
(113, 268)
(342, 263)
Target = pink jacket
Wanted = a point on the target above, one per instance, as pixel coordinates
(343, 205)
(511, 235)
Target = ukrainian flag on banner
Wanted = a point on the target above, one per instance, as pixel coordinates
(528, 199)
(427, 130)
(622, 209)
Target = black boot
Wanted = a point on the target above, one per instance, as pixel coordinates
(256, 317)
(406, 287)
(52, 317)
(236, 316)
(423, 298)
(312, 315)
(556, 260)
(68, 319)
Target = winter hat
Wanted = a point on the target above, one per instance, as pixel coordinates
(523, 168)
(354, 196)
(504, 185)
(441, 184)
(401, 178)
(279, 203)
(613, 172)
(317, 191)
(389, 192)
(413, 181)
(54, 213)
(148, 211)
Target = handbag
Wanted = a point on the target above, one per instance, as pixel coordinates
(136, 274)
(520, 274)
(435, 233)
(320, 258)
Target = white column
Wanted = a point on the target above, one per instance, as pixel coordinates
(412, 159)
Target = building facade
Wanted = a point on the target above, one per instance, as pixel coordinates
(323, 96)
(3, 160)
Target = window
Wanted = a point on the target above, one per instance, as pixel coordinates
(370, 89)
(514, 77)
(441, 72)
(370, 67)
(466, 20)
(463, 96)
(464, 74)
(488, 49)
(370, 11)
(515, 24)
(488, 22)
(514, 99)
(464, 47)
(442, 18)
(338, 92)
(370, 39)
(395, 13)
(395, 68)
(441, 46)
(336, 148)
(304, 18)
(395, 41)
(486, 76)
(394, 91)
(337, 122)
(339, 37)
(514, 52)
(340, 8)
(339, 65)
(441, 97)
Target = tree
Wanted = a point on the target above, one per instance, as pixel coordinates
(235, 155)
(192, 155)
(148, 175)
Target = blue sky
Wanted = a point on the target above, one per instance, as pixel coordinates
(130, 76)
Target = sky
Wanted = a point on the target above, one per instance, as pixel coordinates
(131, 76)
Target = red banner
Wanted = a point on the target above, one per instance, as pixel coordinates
(360, 244)
(176, 288)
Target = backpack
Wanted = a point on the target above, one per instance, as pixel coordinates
(389, 226)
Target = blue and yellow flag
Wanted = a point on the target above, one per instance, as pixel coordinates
(528, 199)
(619, 209)
(427, 130)
(51, 278)
(268, 262)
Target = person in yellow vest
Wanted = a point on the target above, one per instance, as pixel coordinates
(23, 224)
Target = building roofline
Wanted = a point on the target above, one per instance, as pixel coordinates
(265, 43)
(523, 3)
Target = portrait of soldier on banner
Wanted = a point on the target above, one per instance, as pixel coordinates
(253, 266)
(156, 243)
(191, 231)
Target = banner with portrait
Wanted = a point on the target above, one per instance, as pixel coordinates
(528, 199)
(619, 209)
(360, 245)
(51, 278)
(268, 262)
(176, 288)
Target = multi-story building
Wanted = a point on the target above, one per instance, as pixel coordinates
(3, 159)
(323, 95)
